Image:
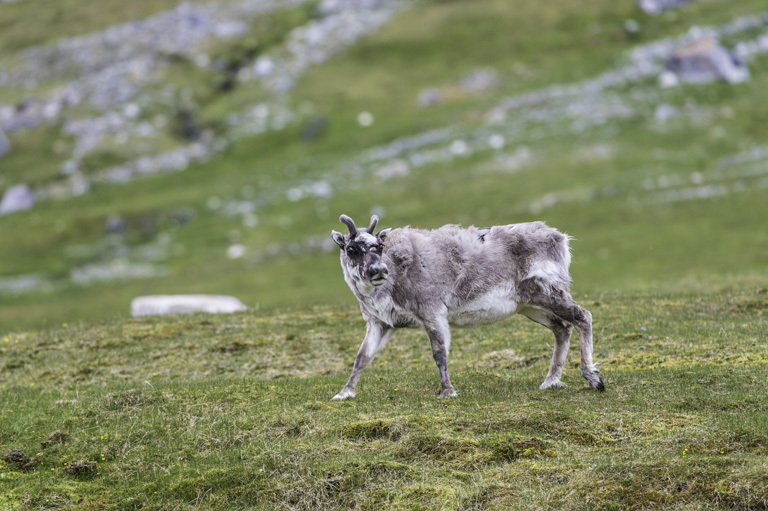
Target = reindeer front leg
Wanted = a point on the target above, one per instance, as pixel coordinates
(376, 337)
(439, 334)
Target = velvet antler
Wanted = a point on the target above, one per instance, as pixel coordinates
(372, 227)
(344, 219)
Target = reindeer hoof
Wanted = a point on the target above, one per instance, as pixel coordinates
(594, 379)
(600, 385)
(447, 393)
(343, 395)
(551, 384)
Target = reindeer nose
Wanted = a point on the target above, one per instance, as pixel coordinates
(377, 270)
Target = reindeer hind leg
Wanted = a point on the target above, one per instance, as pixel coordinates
(562, 332)
(560, 303)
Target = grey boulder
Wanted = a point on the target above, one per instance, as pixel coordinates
(704, 61)
(656, 6)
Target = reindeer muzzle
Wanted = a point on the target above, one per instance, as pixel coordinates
(377, 274)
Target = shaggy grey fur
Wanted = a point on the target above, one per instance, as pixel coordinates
(452, 276)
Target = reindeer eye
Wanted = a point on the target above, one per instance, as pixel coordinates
(351, 251)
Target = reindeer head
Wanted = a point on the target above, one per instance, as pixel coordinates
(361, 252)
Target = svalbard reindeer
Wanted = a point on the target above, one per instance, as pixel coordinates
(451, 276)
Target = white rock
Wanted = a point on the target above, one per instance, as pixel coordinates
(320, 189)
(365, 119)
(632, 26)
(394, 169)
(459, 148)
(264, 66)
(656, 6)
(668, 79)
(497, 141)
(157, 305)
(235, 251)
(664, 112)
(17, 198)
(70, 167)
(131, 110)
(202, 60)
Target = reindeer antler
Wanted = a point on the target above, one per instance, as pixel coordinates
(344, 219)
(372, 227)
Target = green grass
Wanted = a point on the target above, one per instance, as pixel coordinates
(205, 412)
(625, 241)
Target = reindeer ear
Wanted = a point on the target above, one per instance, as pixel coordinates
(383, 235)
(338, 238)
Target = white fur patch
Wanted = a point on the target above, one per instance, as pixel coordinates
(384, 309)
(546, 270)
(364, 237)
(490, 307)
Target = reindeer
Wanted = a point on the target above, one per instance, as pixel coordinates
(456, 277)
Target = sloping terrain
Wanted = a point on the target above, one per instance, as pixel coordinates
(234, 412)
(210, 147)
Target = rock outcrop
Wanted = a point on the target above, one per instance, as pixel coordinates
(704, 61)
(656, 6)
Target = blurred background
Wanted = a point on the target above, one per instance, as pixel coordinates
(158, 146)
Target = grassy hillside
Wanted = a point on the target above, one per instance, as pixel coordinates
(654, 201)
(232, 174)
(213, 412)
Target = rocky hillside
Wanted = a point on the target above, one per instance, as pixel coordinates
(210, 146)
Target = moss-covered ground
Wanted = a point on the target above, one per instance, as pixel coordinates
(214, 412)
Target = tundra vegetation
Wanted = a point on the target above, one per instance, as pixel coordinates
(201, 412)
(663, 188)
